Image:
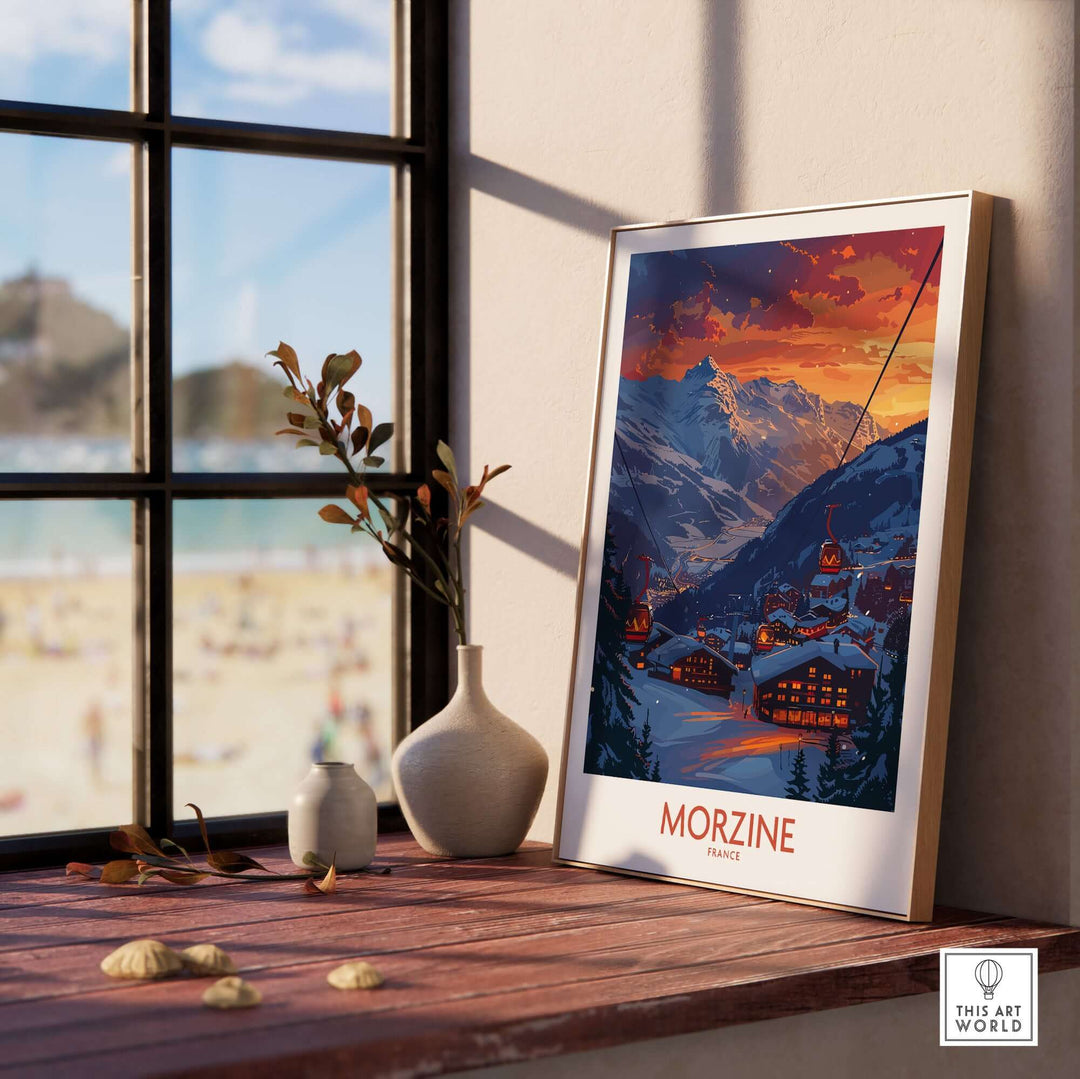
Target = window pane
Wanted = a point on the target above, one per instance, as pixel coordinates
(268, 249)
(66, 52)
(322, 64)
(65, 665)
(65, 305)
(282, 653)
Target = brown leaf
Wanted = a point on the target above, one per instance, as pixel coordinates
(337, 370)
(446, 455)
(346, 402)
(423, 496)
(287, 359)
(181, 876)
(296, 418)
(382, 433)
(444, 479)
(202, 824)
(325, 886)
(363, 417)
(232, 861)
(358, 496)
(120, 871)
(469, 510)
(80, 869)
(359, 438)
(396, 555)
(497, 471)
(134, 839)
(291, 431)
(335, 515)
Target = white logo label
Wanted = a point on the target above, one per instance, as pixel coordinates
(989, 996)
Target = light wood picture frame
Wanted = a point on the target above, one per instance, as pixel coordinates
(770, 564)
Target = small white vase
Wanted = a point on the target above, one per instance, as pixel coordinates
(334, 814)
(469, 780)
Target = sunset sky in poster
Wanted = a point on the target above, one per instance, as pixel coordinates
(822, 311)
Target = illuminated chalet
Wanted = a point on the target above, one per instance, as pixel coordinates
(784, 598)
(689, 662)
(820, 684)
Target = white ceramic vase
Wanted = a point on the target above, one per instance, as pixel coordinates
(334, 814)
(469, 780)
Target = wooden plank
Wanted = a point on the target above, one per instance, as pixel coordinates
(477, 1028)
(502, 959)
(427, 976)
(73, 967)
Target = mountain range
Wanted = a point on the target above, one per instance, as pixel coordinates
(710, 453)
(65, 370)
(876, 494)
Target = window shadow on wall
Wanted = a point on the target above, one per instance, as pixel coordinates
(717, 75)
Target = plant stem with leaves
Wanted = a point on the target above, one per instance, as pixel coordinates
(432, 559)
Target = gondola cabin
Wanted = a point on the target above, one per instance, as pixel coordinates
(831, 556)
(638, 623)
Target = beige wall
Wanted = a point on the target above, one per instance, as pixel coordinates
(570, 117)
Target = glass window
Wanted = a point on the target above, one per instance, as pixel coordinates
(66, 52)
(65, 305)
(66, 607)
(184, 619)
(302, 63)
(267, 249)
(283, 652)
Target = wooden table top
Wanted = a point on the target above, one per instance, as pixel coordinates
(485, 961)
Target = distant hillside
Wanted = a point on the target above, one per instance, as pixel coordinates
(64, 370)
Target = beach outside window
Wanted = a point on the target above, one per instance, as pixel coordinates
(182, 185)
(282, 653)
(66, 604)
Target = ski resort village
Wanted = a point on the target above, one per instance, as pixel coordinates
(768, 657)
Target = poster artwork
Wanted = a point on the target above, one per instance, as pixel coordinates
(762, 523)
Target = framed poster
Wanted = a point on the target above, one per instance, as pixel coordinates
(770, 567)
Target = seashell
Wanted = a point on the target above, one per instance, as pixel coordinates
(358, 975)
(142, 959)
(207, 960)
(232, 992)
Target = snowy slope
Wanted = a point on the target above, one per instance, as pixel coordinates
(876, 494)
(709, 452)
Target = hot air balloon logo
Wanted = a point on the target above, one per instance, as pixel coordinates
(988, 974)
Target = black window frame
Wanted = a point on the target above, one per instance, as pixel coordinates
(422, 154)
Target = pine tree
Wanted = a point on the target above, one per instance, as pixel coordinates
(612, 746)
(645, 747)
(826, 775)
(655, 776)
(870, 781)
(890, 735)
(852, 781)
(797, 786)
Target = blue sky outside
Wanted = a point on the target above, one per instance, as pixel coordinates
(264, 248)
